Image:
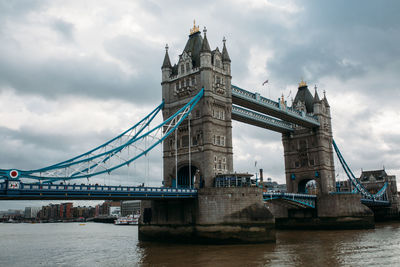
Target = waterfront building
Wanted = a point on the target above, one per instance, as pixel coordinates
(85, 212)
(64, 211)
(106, 208)
(130, 207)
(31, 212)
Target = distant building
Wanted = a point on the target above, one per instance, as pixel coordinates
(130, 207)
(65, 211)
(107, 208)
(272, 186)
(31, 212)
(373, 181)
(85, 212)
(11, 213)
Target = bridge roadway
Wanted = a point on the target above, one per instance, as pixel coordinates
(25, 191)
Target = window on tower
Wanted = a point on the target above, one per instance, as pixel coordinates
(194, 141)
(185, 141)
(218, 140)
(182, 69)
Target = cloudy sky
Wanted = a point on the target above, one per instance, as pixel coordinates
(74, 74)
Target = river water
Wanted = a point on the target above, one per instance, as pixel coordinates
(96, 244)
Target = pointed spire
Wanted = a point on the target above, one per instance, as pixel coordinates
(225, 55)
(167, 62)
(195, 28)
(326, 100)
(205, 46)
(316, 96)
(302, 84)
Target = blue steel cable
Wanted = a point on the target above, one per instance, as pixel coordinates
(64, 164)
(360, 188)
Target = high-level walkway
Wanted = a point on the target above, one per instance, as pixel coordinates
(284, 114)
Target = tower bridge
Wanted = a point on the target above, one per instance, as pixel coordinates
(198, 106)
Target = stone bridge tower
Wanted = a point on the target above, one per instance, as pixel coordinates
(210, 133)
(308, 152)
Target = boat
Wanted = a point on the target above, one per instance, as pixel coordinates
(128, 220)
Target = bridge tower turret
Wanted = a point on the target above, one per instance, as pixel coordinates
(210, 133)
(309, 153)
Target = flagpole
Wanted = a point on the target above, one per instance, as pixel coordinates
(264, 83)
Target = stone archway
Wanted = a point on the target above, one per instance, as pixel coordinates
(183, 175)
(308, 186)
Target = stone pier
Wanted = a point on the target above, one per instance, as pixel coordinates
(218, 215)
(333, 211)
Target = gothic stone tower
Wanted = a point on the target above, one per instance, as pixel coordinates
(210, 131)
(308, 152)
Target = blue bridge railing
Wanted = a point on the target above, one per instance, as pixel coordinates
(19, 190)
(301, 200)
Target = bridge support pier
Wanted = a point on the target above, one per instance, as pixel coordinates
(333, 211)
(344, 211)
(218, 215)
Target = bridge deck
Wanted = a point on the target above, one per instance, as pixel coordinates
(91, 192)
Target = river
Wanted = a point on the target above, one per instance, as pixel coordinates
(96, 244)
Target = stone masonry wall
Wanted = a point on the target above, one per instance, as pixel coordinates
(232, 205)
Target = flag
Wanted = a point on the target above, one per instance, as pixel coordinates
(265, 82)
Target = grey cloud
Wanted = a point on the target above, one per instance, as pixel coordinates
(64, 28)
(29, 148)
(88, 76)
(340, 39)
(17, 9)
